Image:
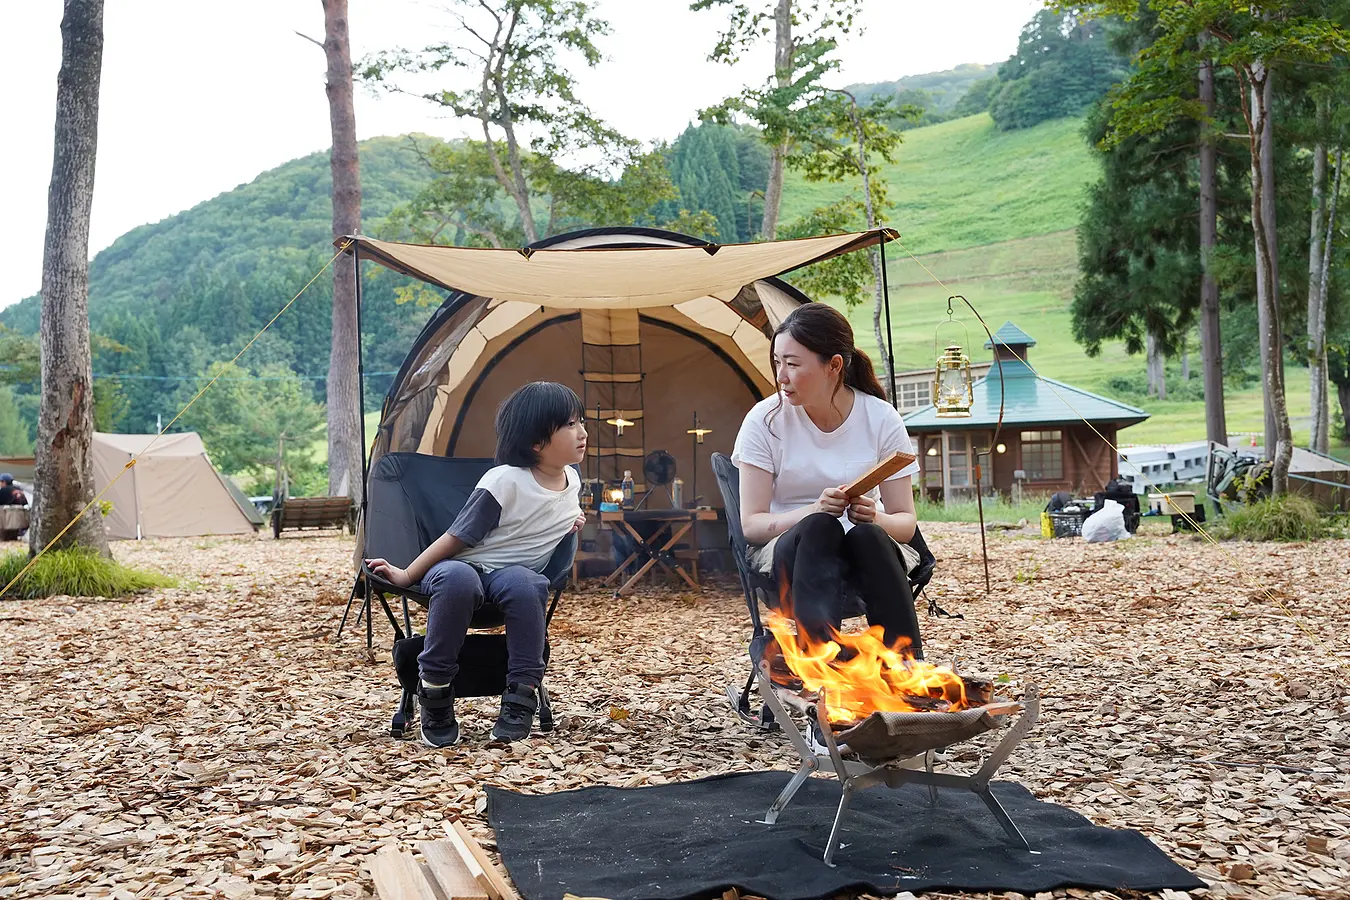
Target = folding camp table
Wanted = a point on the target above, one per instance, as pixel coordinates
(675, 523)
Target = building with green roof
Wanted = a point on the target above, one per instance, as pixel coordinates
(1055, 437)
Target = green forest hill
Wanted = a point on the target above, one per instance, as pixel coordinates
(990, 212)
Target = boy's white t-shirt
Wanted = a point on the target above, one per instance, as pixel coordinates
(804, 460)
(511, 519)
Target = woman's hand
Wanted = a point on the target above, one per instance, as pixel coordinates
(389, 572)
(579, 524)
(863, 510)
(833, 501)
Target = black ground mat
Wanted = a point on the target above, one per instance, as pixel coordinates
(698, 838)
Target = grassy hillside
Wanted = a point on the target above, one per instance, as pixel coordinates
(965, 184)
(283, 216)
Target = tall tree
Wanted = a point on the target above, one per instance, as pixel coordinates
(345, 452)
(521, 96)
(1211, 344)
(805, 33)
(1247, 38)
(64, 481)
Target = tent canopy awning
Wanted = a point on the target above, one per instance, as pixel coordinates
(609, 277)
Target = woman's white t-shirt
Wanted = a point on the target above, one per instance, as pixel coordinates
(804, 460)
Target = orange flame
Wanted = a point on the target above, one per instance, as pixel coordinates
(860, 674)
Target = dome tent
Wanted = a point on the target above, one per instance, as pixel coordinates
(648, 326)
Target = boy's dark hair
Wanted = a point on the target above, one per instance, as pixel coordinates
(529, 417)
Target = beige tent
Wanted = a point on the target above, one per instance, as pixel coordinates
(172, 491)
(647, 326)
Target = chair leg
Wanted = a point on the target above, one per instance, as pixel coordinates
(545, 710)
(356, 592)
(403, 715)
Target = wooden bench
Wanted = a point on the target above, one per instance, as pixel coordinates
(296, 513)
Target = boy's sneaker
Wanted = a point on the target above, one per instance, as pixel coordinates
(517, 714)
(438, 727)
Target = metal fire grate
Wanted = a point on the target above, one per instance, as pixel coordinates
(895, 749)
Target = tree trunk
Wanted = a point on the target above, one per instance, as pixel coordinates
(1157, 376)
(1279, 444)
(782, 71)
(1211, 347)
(1343, 394)
(345, 453)
(1317, 314)
(1185, 366)
(883, 347)
(64, 480)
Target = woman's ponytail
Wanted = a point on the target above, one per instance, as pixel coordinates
(862, 376)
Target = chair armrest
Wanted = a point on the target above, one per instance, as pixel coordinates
(559, 567)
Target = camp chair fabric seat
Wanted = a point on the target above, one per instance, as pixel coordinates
(759, 586)
(412, 499)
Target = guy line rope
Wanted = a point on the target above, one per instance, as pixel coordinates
(225, 368)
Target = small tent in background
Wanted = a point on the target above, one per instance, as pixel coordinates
(172, 491)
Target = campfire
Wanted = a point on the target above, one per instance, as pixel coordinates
(884, 708)
(860, 675)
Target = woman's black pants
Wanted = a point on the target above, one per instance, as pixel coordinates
(817, 557)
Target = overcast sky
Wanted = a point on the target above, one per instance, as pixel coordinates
(198, 98)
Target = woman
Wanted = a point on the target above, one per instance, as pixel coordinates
(828, 424)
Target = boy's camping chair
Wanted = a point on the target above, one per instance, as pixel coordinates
(412, 499)
(754, 583)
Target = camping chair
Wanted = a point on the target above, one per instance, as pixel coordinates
(753, 583)
(411, 500)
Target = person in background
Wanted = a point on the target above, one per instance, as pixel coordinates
(10, 495)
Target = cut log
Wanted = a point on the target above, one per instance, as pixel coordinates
(458, 877)
(500, 888)
(397, 876)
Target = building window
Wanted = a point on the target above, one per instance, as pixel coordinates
(1043, 455)
(961, 449)
(914, 394)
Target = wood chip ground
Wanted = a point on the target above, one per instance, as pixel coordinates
(213, 740)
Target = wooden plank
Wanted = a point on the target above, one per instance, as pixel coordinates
(454, 876)
(501, 888)
(397, 876)
(879, 473)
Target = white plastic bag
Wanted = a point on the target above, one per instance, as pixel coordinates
(1106, 524)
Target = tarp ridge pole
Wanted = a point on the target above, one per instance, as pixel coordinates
(886, 302)
(360, 377)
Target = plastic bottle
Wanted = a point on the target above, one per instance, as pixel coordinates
(677, 493)
(627, 489)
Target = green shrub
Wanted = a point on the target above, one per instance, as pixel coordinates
(75, 573)
(1285, 518)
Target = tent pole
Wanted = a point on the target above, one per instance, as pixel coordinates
(890, 338)
(360, 377)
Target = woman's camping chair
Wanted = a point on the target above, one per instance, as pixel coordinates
(412, 499)
(760, 587)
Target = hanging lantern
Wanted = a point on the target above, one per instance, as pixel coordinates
(953, 386)
(620, 423)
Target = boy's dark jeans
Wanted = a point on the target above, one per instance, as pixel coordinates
(457, 589)
(817, 557)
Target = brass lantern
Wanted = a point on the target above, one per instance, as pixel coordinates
(953, 386)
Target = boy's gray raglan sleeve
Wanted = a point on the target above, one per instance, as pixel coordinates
(480, 515)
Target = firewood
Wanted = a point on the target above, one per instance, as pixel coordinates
(498, 887)
(879, 473)
(397, 876)
(458, 874)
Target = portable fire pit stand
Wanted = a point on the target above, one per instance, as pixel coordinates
(855, 775)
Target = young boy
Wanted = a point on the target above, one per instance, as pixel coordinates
(494, 553)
